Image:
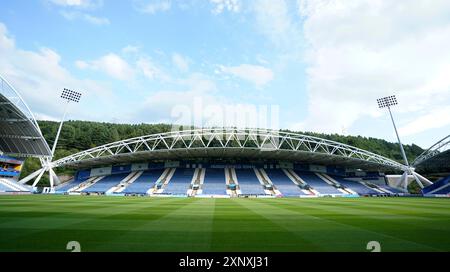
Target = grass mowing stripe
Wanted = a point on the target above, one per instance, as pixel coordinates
(387, 211)
(409, 202)
(238, 226)
(47, 222)
(372, 225)
(333, 235)
(309, 231)
(186, 228)
(54, 230)
(374, 208)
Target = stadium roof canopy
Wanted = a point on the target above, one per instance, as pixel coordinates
(224, 143)
(19, 132)
(435, 159)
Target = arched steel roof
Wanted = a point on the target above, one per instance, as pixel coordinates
(436, 158)
(230, 143)
(20, 134)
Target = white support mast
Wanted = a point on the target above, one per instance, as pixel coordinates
(68, 96)
(387, 102)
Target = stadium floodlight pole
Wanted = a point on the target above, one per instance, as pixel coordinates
(68, 96)
(387, 102)
(59, 129)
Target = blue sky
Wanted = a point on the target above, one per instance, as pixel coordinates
(303, 65)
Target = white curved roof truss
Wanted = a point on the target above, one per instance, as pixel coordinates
(219, 140)
(437, 149)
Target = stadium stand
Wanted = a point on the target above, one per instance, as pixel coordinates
(180, 181)
(283, 183)
(13, 186)
(69, 185)
(440, 187)
(390, 189)
(145, 181)
(317, 183)
(443, 191)
(20, 134)
(355, 186)
(248, 182)
(105, 184)
(214, 182)
(3, 188)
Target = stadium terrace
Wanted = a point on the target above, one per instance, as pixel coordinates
(206, 162)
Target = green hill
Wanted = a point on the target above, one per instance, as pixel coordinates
(81, 135)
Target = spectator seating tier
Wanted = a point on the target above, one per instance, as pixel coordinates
(249, 183)
(283, 183)
(214, 182)
(105, 183)
(317, 183)
(144, 182)
(180, 181)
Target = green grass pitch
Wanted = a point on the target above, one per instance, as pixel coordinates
(48, 222)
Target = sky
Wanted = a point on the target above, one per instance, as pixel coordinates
(306, 65)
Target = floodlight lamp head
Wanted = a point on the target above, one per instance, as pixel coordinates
(387, 101)
(70, 95)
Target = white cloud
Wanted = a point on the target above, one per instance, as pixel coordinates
(276, 22)
(153, 7)
(130, 49)
(180, 62)
(162, 104)
(81, 64)
(199, 104)
(255, 74)
(438, 118)
(96, 20)
(70, 3)
(150, 70)
(111, 64)
(126, 69)
(78, 3)
(361, 50)
(226, 5)
(74, 15)
(39, 77)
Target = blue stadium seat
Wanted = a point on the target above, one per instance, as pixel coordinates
(4, 188)
(105, 183)
(283, 183)
(317, 183)
(144, 182)
(443, 191)
(391, 189)
(69, 185)
(249, 183)
(355, 186)
(180, 181)
(437, 187)
(214, 182)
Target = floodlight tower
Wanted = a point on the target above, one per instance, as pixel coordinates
(68, 96)
(388, 102)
